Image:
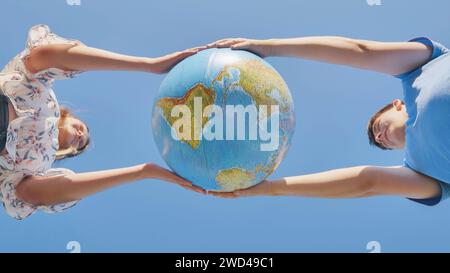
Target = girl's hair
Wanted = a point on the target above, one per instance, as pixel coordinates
(71, 151)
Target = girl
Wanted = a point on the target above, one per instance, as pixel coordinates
(35, 131)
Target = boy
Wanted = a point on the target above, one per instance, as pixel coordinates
(420, 123)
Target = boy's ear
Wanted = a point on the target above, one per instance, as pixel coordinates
(397, 104)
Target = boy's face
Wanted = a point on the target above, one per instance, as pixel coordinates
(389, 127)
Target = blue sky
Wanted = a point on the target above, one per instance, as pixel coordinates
(333, 105)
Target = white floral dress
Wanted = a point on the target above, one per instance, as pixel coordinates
(32, 138)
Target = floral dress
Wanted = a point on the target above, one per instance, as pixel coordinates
(32, 138)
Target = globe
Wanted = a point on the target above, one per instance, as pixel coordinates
(223, 119)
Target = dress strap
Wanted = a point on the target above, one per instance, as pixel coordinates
(4, 120)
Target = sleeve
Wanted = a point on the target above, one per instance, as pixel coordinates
(42, 35)
(438, 50)
(433, 201)
(19, 209)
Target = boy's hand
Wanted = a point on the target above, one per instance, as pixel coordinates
(263, 188)
(165, 63)
(259, 47)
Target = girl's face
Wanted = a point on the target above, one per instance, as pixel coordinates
(72, 133)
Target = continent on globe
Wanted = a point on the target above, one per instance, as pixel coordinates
(260, 82)
(234, 179)
(190, 134)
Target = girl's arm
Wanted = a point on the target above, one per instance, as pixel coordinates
(84, 58)
(389, 58)
(354, 182)
(38, 190)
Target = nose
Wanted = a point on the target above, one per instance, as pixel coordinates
(79, 133)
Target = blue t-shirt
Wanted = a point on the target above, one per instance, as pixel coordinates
(426, 92)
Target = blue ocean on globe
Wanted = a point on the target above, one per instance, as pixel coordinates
(223, 119)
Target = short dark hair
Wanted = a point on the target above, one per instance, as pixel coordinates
(372, 140)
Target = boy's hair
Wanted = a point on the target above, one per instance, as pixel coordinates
(372, 140)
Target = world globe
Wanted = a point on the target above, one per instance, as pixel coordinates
(223, 119)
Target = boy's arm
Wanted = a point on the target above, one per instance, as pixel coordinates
(354, 182)
(392, 58)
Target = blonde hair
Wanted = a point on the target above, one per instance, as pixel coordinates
(71, 151)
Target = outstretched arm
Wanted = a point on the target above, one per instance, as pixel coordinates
(81, 57)
(38, 190)
(392, 58)
(354, 182)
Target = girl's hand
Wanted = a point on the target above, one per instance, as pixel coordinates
(263, 188)
(259, 47)
(154, 171)
(165, 63)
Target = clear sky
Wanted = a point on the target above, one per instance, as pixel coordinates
(333, 105)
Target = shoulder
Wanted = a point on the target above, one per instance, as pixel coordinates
(403, 181)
